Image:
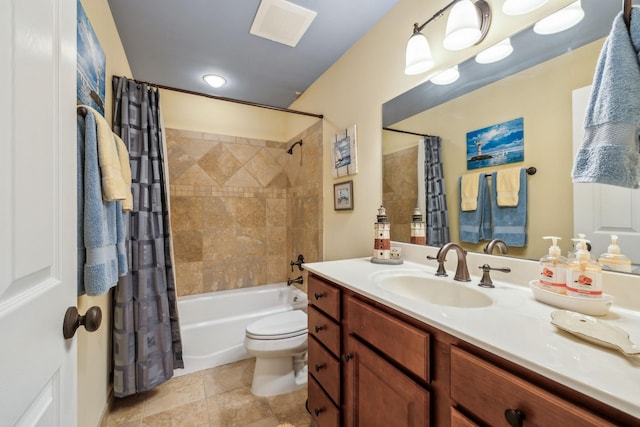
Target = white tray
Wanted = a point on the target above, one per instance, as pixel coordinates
(586, 305)
(595, 331)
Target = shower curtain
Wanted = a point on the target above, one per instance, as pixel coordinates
(146, 334)
(436, 201)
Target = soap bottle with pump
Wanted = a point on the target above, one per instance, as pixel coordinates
(613, 259)
(584, 276)
(572, 253)
(553, 268)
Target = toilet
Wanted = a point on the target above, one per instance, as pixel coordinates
(279, 343)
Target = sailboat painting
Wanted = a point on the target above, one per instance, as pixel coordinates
(91, 67)
(344, 153)
(496, 145)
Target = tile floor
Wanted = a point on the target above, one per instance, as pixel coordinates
(217, 397)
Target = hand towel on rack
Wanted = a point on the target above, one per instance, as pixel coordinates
(507, 186)
(114, 162)
(510, 222)
(476, 225)
(101, 229)
(609, 151)
(125, 169)
(469, 191)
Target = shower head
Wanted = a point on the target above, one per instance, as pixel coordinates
(290, 150)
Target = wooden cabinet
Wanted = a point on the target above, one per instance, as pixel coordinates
(370, 365)
(325, 349)
(379, 394)
(493, 396)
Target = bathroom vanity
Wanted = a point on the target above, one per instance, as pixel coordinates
(380, 356)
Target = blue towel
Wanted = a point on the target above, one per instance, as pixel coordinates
(101, 230)
(609, 151)
(510, 222)
(476, 225)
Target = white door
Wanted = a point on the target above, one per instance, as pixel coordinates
(37, 212)
(602, 210)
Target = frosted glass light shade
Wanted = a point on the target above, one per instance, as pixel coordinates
(418, 55)
(561, 20)
(495, 53)
(463, 26)
(214, 80)
(520, 7)
(446, 77)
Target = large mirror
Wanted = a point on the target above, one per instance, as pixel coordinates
(537, 83)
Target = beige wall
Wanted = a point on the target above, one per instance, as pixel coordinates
(542, 96)
(241, 208)
(353, 91)
(94, 349)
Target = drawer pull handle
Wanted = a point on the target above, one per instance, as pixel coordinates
(318, 411)
(348, 357)
(514, 417)
(317, 296)
(319, 367)
(319, 328)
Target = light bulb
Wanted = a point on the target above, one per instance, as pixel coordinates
(214, 80)
(446, 77)
(463, 26)
(561, 20)
(495, 53)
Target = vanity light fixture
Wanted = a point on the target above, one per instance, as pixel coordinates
(521, 7)
(468, 23)
(496, 52)
(561, 20)
(214, 80)
(446, 77)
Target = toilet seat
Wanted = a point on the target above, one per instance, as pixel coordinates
(278, 326)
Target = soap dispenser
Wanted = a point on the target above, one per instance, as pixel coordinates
(613, 259)
(572, 253)
(553, 268)
(584, 276)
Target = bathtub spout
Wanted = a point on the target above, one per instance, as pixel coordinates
(297, 280)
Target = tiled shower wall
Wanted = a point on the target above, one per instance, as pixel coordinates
(400, 190)
(242, 209)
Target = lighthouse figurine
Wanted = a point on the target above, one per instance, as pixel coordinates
(418, 229)
(382, 241)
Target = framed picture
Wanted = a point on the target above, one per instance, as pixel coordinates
(496, 145)
(343, 196)
(91, 64)
(345, 159)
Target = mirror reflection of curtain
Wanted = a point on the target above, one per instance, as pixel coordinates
(146, 333)
(433, 200)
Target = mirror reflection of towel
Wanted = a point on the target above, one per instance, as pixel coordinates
(510, 222)
(469, 191)
(507, 186)
(476, 225)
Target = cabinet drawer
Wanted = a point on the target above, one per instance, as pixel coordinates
(324, 330)
(325, 368)
(403, 343)
(488, 391)
(322, 409)
(324, 296)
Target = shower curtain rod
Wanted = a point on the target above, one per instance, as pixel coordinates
(407, 132)
(237, 101)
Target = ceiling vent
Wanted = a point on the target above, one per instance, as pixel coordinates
(282, 21)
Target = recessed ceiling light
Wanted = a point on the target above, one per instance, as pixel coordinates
(447, 76)
(495, 53)
(214, 80)
(561, 20)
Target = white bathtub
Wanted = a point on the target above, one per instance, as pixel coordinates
(213, 324)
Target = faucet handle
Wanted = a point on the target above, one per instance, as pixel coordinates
(486, 281)
(442, 272)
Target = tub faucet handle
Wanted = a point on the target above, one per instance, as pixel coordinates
(299, 263)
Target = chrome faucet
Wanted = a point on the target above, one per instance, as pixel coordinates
(462, 272)
(504, 249)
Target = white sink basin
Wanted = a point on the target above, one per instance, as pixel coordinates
(426, 288)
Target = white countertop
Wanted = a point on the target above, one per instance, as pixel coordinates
(515, 327)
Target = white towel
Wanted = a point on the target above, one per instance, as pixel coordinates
(508, 186)
(469, 192)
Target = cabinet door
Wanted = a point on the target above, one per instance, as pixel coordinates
(378, 394)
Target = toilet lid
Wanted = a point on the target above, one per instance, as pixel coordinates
(281, 325)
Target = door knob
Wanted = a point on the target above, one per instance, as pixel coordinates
(72, 321)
